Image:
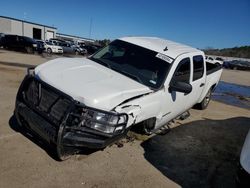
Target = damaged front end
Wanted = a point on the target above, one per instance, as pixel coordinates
(62, 121)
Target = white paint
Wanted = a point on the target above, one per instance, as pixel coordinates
(54, 48)
(245, 154)
(50, 35)
(90, 83)
(164, 57)
(100, 87)
(157, 44)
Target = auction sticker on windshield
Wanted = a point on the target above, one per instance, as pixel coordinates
(164, 57)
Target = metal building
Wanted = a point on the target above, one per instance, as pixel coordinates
(73, 38)
(25, 28)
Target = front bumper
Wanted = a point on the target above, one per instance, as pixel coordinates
(48, 112)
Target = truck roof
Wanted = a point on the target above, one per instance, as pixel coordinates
(167, 47)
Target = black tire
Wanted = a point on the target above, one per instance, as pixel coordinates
(204, 103)
(148, 126)
(49, 51)
(76, 52)
(29, 50)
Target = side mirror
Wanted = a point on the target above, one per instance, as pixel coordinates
(182, 87)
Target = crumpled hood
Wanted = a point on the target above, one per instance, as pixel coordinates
(89, 82)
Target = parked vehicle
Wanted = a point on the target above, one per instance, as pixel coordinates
(243, 175)
(91, 49)
(1, 39)
(40, 47)
(237, 65)
(51, 48)
(20, 43)
(80, 50)
(55, 41)
(66, 46)
(92, 102)
(217, 60)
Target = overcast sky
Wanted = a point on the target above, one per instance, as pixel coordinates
(204, 23)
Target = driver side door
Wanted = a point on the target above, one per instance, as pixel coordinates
(174, 102)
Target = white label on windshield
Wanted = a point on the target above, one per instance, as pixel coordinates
(164, 57)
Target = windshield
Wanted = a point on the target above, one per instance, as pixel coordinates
(49, 43)
(133, 61)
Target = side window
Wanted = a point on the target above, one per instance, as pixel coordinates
(182, 73)
(198, 62)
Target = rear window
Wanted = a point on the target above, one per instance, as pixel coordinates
(198, 63)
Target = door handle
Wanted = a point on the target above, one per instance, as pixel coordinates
(202, 84)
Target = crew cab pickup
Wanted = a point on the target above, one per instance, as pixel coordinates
(91, 102)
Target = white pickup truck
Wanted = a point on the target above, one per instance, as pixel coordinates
(91, 102)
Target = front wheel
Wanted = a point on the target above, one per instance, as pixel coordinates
(49, 51)
(204, 103)
(148, 126)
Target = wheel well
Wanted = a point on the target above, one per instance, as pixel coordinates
(213, 87)
(149, 124)
(145, 126)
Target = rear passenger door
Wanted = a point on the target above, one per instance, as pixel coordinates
(198, 78)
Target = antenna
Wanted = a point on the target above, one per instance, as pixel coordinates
(165, 49)
(24, 15)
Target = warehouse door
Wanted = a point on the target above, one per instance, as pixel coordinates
(37, 33)
(49, 35)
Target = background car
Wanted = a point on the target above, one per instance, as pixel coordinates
(50, 47)
(80, 50)
(40, 47)
(66, 46)
(91, 48)
(21, 43)
(237, 65)
(216, 60)
(1, 38)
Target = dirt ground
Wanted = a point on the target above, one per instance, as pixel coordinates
(201, 151)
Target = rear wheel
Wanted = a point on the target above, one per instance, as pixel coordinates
(29, 50)
(204, 103)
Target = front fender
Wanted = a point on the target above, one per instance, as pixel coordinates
(133, 111)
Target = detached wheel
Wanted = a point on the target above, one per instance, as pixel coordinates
(204, 103)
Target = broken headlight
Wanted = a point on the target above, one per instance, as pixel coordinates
(106, 122)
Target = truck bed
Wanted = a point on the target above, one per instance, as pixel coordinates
(212, 79)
